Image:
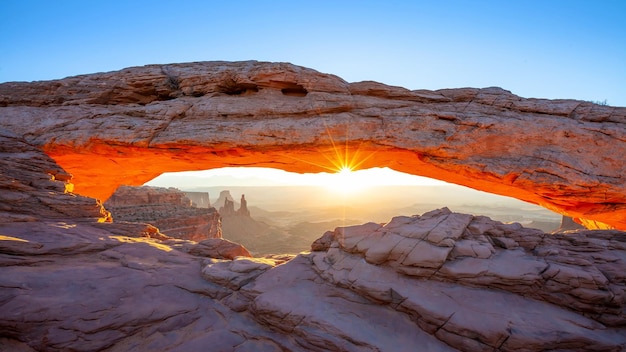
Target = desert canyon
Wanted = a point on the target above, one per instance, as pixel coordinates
(77, 278)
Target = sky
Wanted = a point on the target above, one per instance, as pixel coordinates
(534, 48)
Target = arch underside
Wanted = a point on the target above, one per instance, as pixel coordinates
(98, 175)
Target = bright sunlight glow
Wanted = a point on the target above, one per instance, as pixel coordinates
(259, 177)
(345, 170)
(346, 181)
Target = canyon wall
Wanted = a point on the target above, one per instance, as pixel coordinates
(199, 199)
(565, 155)
(169, 209)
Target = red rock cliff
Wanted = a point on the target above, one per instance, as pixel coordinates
(166, 208)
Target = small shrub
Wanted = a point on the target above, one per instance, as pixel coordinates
(171, 80)
(600, 102)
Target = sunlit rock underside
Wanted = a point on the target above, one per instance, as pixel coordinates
(129, 126)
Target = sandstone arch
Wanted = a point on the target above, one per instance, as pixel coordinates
(127, 127)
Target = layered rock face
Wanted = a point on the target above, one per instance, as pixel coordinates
(169, 209)
(441, 281)
(128, 196)
(73, 280)
(33, 186)
(199, 199)
(565, 155)
(243, 209)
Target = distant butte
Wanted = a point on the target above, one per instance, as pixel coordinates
(127, 127)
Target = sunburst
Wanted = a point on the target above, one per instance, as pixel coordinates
(341, 158)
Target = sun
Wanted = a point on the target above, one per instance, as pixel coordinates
(346, 182)
(344, 170)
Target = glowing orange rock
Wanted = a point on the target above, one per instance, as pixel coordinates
(128, 127)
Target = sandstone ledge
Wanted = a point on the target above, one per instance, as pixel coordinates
(501, 287)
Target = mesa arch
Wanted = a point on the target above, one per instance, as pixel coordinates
(129, 126)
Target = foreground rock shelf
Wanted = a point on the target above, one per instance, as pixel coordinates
(128, 127)
(442, 281)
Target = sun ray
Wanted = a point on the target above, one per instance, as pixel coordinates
(312, 163)
(341, 157)
(337, 163)
(363, 160)
(345, 151)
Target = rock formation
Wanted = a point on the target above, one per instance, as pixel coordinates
(238, 226)
(33, 186)
(72, 280)
(243, 208)
(221, 200)
(228, 207)
(467, 281)
(169, 209)
(199, 199)
(568, 224)
(128, 196)
(565, 155)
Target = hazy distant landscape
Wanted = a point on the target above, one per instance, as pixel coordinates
(288, 219)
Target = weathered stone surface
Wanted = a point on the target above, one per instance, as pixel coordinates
(504, 294)
(235, 273)
(82, 285)
(169, 209)
(476, 251)
(568, 224)
(128, 196)
(221, 200)
(227, 207)
(213, 248)
(565, 155)
(33, 186)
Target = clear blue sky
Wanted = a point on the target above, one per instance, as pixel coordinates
(547, 48)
